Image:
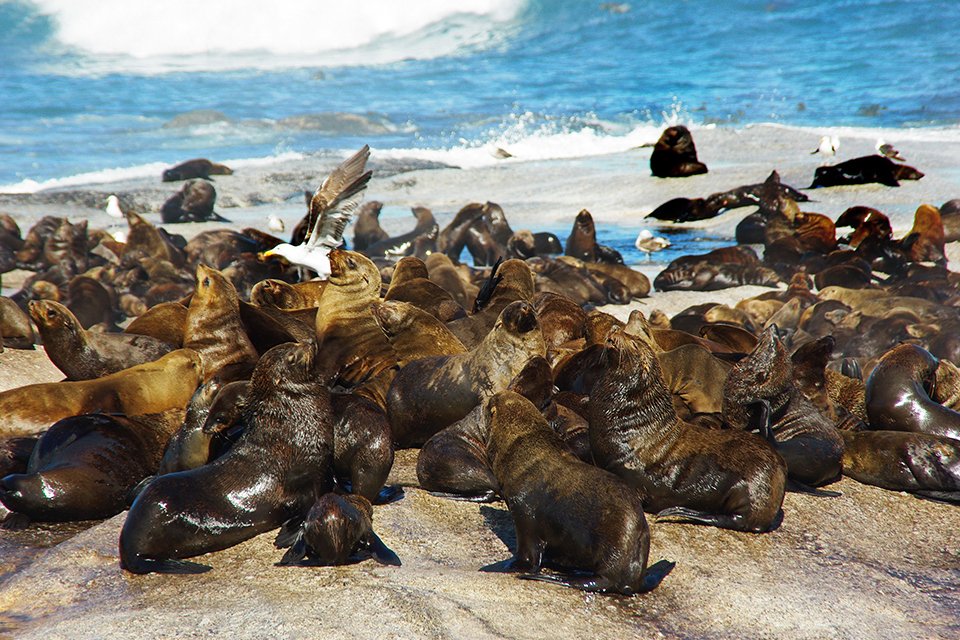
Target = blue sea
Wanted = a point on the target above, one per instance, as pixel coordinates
(112, 88)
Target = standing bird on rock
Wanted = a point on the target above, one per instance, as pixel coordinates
(331, 208)
(113, 207)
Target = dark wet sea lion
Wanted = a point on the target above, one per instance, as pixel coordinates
(337, 528)
(864, 170)
(432, 393)
(366, 228)
(898, 394)
(402, 245)
(214, 329)
(148, 388)
(454, 462)
(950, 216)
(189, 446)
(920, 463)
(724, 478)
(362, 444)
(582, 241)
(196, 168)
(283, 460)
(84, 467)
(84, 355)
(712, 277)
(193, 203)
(674, 155)
(453, 237)
(684, 210)
(15, 328)
(565, 511)
(413, 333)
(807, 440)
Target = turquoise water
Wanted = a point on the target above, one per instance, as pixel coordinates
(88, 87)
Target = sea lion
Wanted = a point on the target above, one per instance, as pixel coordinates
(582, 242)
(189, 447)
(413, 333)
(864, 170)
(453, 237)
(366, 229)
(402, 245)
(153, 387)
(362, 444)
(674, 155)
(431, 393)
(164, 321)
(410, 283)
(214, 329)
(724, 478)
(337, 529)
(83, 467)
(898, 394)
(441, 270)
(761, 388)
(925, 240)
(566, 512)
(15, 328)
(196, 168)
(921, 463)
(84, 355)
(284, 295)
(193, 203)
(515, 282)
(283, 460)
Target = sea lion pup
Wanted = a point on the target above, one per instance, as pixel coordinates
(761, 388)
(366, 229)
(674, 155)
(193, 203)
(84, 355)
(83, 467)
(565, 511)
(196, 168)
(431, 393)
(15, 328)
(864, 170)
(515, 282)
(582, 242)
(353, 341)
(718, 269)
(153, 387)
(338, 529)
(144, 240)
(898, 394)
(402, 245)
(440, 269)
(214, 329)
(413, 333)
(283, 460)
(921, 463)
(725, 478)
(410, 283)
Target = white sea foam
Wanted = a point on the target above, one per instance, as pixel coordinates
(183, 35)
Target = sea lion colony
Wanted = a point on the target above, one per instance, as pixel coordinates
(241, 398)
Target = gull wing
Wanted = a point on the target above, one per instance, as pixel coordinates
(337, 199)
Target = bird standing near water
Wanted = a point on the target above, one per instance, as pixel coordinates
(829, 145)
(887, 150)
(648, 243)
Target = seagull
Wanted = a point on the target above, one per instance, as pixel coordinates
(331, 208)
(649, 243)
(888, 150)
(274, 223)
(113, 207)
(829, 145)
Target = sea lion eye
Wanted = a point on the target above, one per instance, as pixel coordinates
(206, 282)
(352, 263)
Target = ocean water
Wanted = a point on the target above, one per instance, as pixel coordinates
(94, 89)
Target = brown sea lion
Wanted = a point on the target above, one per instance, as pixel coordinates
(674, 155)
(761, 387)
(431, 393)
(864, 170)
(362, 444)
(84, 355)
(561, 319)
(410, 283)
(925, 240)
(148, 388)
(582, 241)
(366, 228)
(413, 333)
(441, 270)
(566, 512)
(83, 467)
(196, 168)
(284, 295)
(193, 203)
(898, 394)
(724, 478)
(165, 321)
(144, 240)
(921, 463)
(214, 329)
(15, 328)
(453, 237)
(515, 282)
(337, 530)
(189, 447)
(283, 460)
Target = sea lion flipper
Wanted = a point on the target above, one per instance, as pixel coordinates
(297, 551)
(592, 584)
(140, 486)
(685, 514)
(940, 496)
(760, 412)
(486, 496)
(655, 573)
(290, 532)
(149, 565)
(381, 552)
(850, 367)
(389, 494)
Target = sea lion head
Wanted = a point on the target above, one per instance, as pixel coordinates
(639, 327)
(535, 382)
(408, 268)
(625, 352)
(286, 364)
(335, 525)
(515, 276)
(391, 316)
(518, 318)
(53, 316)
(213, 285)
(584, 223)
(766, 372)
(350, 267)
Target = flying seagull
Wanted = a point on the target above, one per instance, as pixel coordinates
(331, 208)
(888, 150)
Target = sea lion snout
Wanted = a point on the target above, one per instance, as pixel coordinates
(520, 317)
